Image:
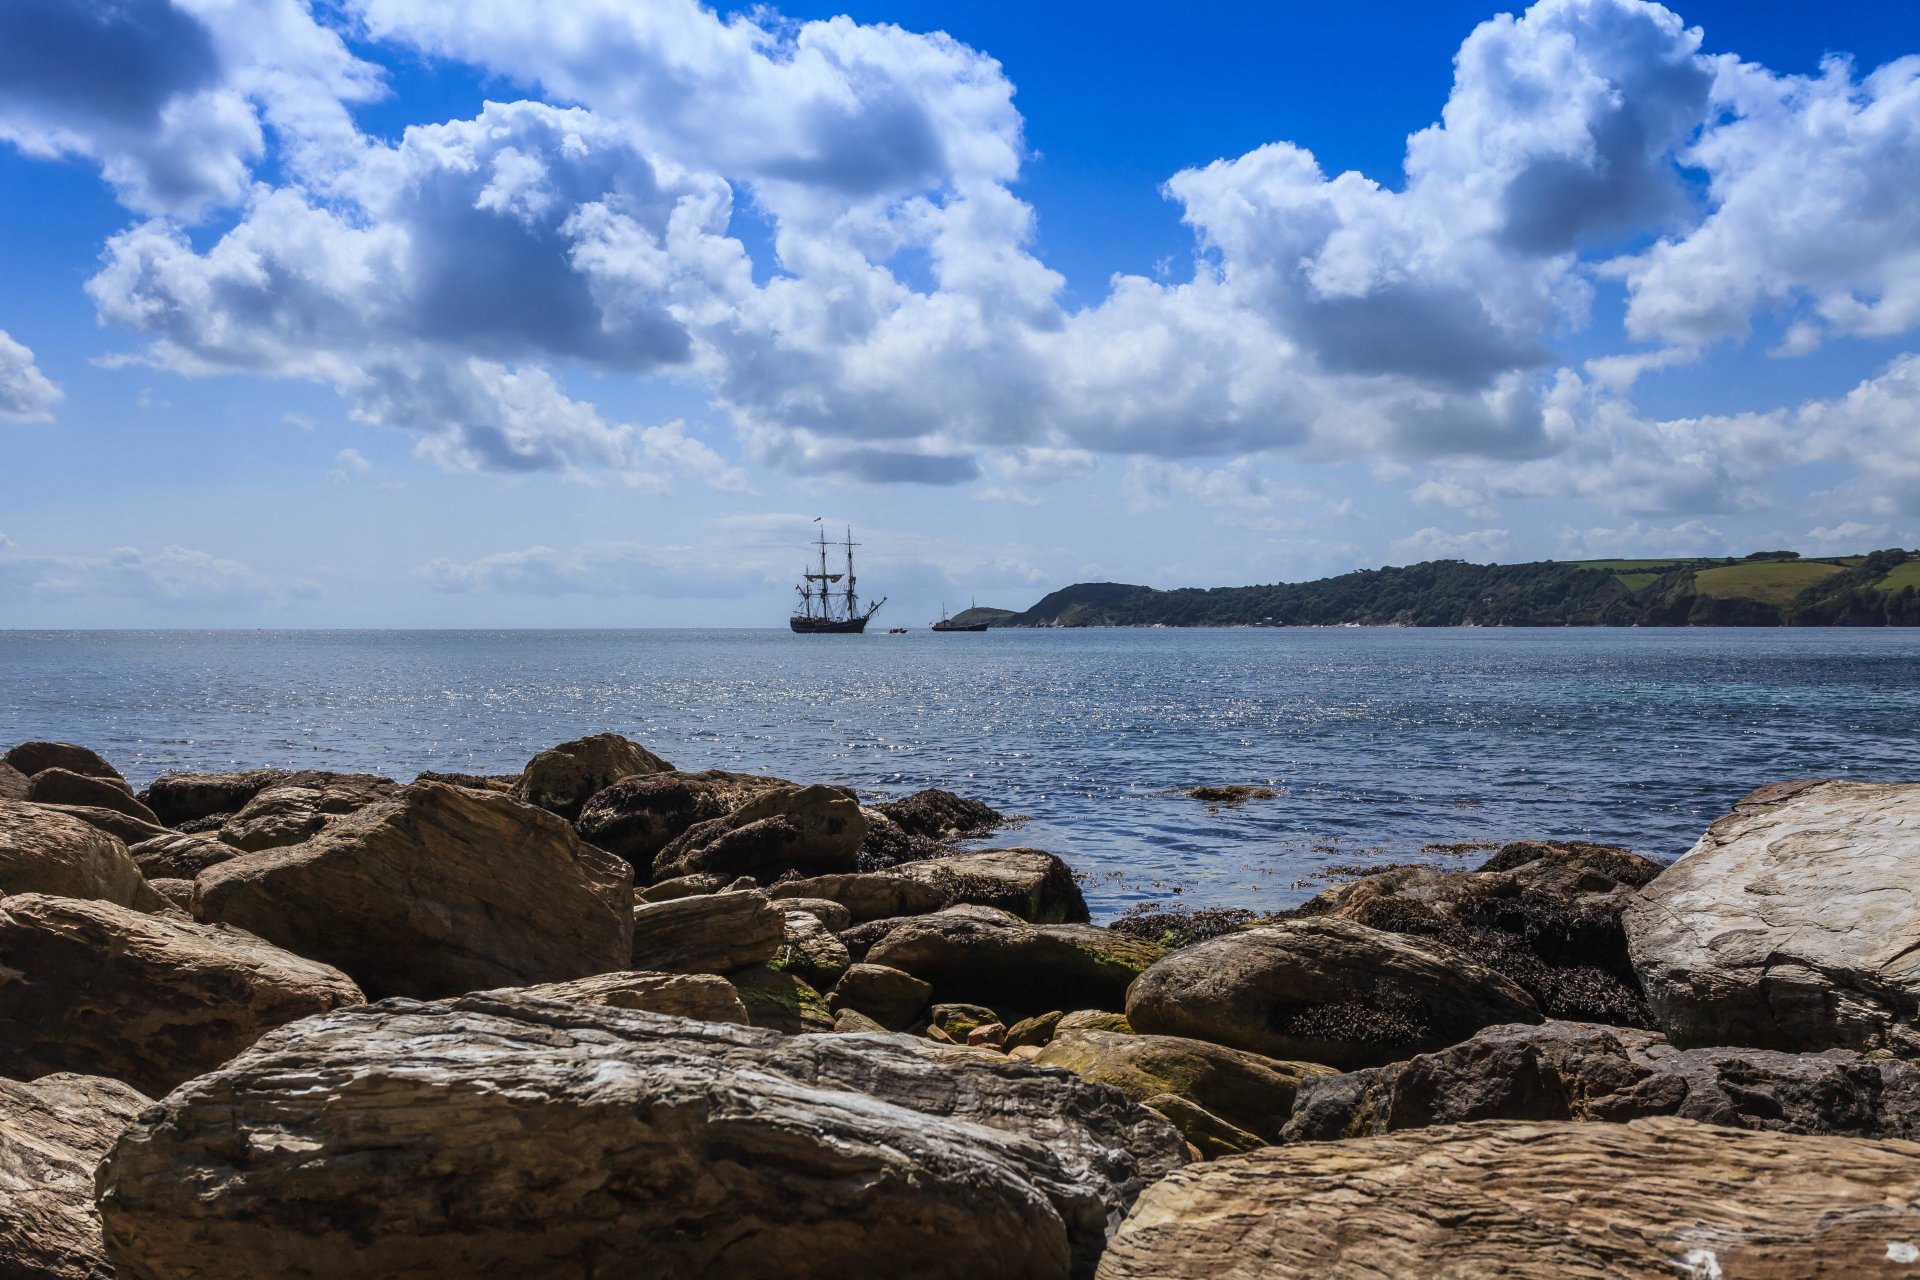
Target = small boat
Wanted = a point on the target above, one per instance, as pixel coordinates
(948, 624)
(896, 631)
(825, 611)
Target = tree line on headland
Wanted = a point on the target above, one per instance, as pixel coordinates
(1765, 589)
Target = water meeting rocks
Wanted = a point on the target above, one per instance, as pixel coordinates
(53, 1131)
(1032, 884)
(1580, 1071)
(707, 933)
(1792, 924)
(989, 956)
(184, 797)
(92, 987)
(561, 779)
(1660, 1197)
(45, 851)
(941, 815)
(33, 757)
(502, 1135)
(639, 816)
(436, 890)
(1324, 990)
(809, 830)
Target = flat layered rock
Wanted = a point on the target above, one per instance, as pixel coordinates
(505, 1136)
(95, 988)
(1513, 1199)
(639, 816)
(1252, 1094)
(1030, 883)
(178, 855)
(184, 797)
(300, 807)
(1580, 1071)
(710, 933)
(1324, 990)
(45, 851)
(806, 830)
(968, 953)
(125, 828)
(53, 1131)
(868, 895)
(433, 891)
(34, 757)
(1793, 924)
(562, 779)
(700, 996)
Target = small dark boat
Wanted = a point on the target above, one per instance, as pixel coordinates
(948, 624)
(896, 631)
(825, 611)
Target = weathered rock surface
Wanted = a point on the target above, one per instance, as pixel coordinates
(941, 815)
(183, 797)
(32, 757)
(1656, 1197)
(639, 816)
(886, 844)
(1016, 968)
(809, 830)
(1094, 1020)
(958, 1019)
(829, 913)
(401, 1140)
(852, 1022)
(893, 998)
(1032, 884)
(810, 949)
(63, 786)
(1324, 990)
(1582, 1071)
(562, 779)
(1252, 1094)
(502, 782)
(178, 893)
(176, 854)
(1545, 914)
(91, 987)
(53, 1132)
(712, 933)
(433, 891)
(45, 851)
(781, 1001)
(300, 807)
(683, 995)
(125, 828)
(1793, 924)
(13, 783)
(868, 895)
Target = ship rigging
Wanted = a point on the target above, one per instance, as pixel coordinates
(825, 609)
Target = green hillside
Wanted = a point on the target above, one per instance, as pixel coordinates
(1768, 588)
(982, 613)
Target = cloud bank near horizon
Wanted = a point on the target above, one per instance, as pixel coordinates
(817, 224)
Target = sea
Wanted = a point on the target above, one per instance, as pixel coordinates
(1378, 745)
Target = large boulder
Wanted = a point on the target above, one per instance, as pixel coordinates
(1545, 914)
(95, 988)
(1031, 884)
(125, 828)
(33, 757)
(1581, 1071)
(301, 806)
(53, 1132)
(1015, 967)
(63, 786)
(701, 996)
(639, 816)
(808, 948)
(808, 830)
(183, 797)
(1252, 1094)
(1520, 1200)
(1793, 924)
(494, 1135)
(1323, 990)
(45, 851)
(892, 998)
(178, 855)
(561, 779)
(433, 891)
(710, 933)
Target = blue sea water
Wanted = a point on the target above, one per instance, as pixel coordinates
(1381, 743)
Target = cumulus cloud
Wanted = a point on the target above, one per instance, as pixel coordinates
(26, 394)
(599, 569)
(1685, 538)
(1480, 545)
(173, 577)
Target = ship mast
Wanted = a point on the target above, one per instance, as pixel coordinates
(852, 600)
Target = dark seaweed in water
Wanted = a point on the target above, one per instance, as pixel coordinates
(1174, 927)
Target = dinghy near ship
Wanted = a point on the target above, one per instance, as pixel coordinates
(825, 610)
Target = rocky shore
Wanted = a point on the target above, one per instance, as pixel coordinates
(609, 1017)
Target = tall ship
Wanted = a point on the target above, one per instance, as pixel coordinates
(827, 608)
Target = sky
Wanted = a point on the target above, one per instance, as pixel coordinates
(415, 313)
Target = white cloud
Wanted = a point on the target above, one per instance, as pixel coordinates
(600, 569)
(26, 394)
(1150, 484)
(1686, 538)
(1848, 535)
(173, 577)
(349, 464)
(1485, 546)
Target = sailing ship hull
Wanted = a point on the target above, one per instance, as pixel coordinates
(828, 626)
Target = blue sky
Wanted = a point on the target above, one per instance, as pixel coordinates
(400, 312)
